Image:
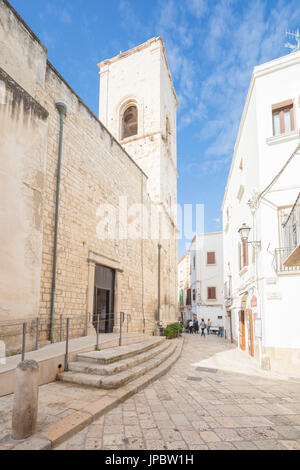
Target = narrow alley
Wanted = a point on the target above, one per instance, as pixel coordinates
(197, 406)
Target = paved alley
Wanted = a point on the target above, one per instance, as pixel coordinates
(204, 402)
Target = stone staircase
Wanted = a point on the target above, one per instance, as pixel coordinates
(115, 367)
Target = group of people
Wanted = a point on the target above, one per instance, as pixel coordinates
(194, 326)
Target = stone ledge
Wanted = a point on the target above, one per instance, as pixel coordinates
(66, 427)
(36, 442)
(63, 429)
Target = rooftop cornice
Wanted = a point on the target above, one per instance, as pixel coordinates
(103, 65)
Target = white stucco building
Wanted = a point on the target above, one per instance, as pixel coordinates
(261, 291)
(206, 258)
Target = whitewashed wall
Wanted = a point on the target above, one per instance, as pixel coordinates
(263, 157)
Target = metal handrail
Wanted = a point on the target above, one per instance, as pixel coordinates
(107, 319)
(156, 324)
(63, 329)
(33, 327)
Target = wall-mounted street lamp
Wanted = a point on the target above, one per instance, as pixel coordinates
(244, 234)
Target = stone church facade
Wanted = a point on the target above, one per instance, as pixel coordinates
(116, 223)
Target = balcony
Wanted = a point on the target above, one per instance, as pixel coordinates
(227, 289)
(292, 237)
(280, 259)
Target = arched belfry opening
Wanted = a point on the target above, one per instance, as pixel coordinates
(129, 122)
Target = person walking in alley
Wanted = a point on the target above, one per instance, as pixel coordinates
(208, 326)
(202, 326)
(191, 326)
(221, 328)
(196, 325)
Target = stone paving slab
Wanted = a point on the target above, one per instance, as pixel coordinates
(253, 413)
(65, 409)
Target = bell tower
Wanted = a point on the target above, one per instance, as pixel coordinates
(138, 106)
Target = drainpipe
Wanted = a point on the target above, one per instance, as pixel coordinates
(62, 109)
(158, 306)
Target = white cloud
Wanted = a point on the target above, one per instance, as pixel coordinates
(237, 40)
(198, 7)
(212, 48)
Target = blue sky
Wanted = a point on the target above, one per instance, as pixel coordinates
(212, 47)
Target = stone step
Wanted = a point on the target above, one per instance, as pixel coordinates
(120, 379)
(111, 355)
(68, 426)
(116, 367)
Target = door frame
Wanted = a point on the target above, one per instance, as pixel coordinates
(93, 260)
(242, 330)
(229, 313)
(250, 335)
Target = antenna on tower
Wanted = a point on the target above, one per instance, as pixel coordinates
(296, 37)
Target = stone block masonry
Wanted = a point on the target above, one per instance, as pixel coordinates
(96, 173)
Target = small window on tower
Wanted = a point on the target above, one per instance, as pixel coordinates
(130, 122)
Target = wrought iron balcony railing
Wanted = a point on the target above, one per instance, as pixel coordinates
(281, 254)
(291, 228)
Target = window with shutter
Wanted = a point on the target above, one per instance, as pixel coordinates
(189, 300)
(243, 255)
(240, 256)
(211, 257)
(181, 297)
(211, 293)
(283, 118)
